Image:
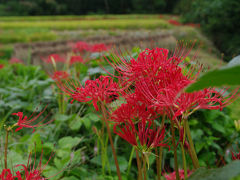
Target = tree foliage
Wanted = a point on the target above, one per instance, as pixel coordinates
(78, 7)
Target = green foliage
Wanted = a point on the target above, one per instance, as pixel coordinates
(227, 172)
(212, 131)
(227, 75)
(56, 7)
(219, 77)
(220, 20)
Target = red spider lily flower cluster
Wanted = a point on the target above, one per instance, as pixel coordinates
(1, 66)
(15, 61)
(102, 89)
(76, 59)
(54, 57)
(27, 172)
(99, 47)
(158, 80)
(60, 75)
(172, 176)
(30, 122)
(82, 47)
(134, 121)
(174, 22)
(235, 156)
(142, 130)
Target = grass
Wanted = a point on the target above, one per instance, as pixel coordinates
(82, 17)
(87, 24)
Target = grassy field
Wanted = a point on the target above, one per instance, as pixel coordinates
(87, 24)
(31, 29)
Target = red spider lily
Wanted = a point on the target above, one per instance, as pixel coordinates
(172, 176)
(76, 59)
(31, 171)
(174, 22)
(235, 156)
(132, 111)
(60, 75)
(161, 80)
(2, 66)
(81, 46)
(99, 47)
(148, 137)
(15, 61)
(54, 57)
(6, 175)
(31, 121)
(103, 89)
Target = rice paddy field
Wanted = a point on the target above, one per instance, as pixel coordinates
(57, 116)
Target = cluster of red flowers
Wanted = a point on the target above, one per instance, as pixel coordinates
(15, 61)
(157, 83)
(27, 174)
(1, 66)
(54, 57)
(82, 46)
(80, 50)
(172, 176)
(31, 171)
(103, 89)
(60, 75)
(235, 156)
(176, 23)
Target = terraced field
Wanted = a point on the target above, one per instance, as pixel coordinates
(121, 30)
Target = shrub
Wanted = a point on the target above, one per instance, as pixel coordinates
(220, 20)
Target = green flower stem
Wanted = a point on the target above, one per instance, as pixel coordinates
(175, 151)
(130, 161)
(144, 171)
(138, 165)
(160, 156)
(184, 161)
(157, 158)
(193, 153)
(157, 164)
(160, 162)
(6, 149)
(111, 141)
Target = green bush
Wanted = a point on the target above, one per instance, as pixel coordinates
(220, 20)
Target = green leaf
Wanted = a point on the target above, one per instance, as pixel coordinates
(93, 117)
(228, 75)
(75, 124)
(89, 118)
(62, 117)
(225, 173)
(68, 142)
(52, 173)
